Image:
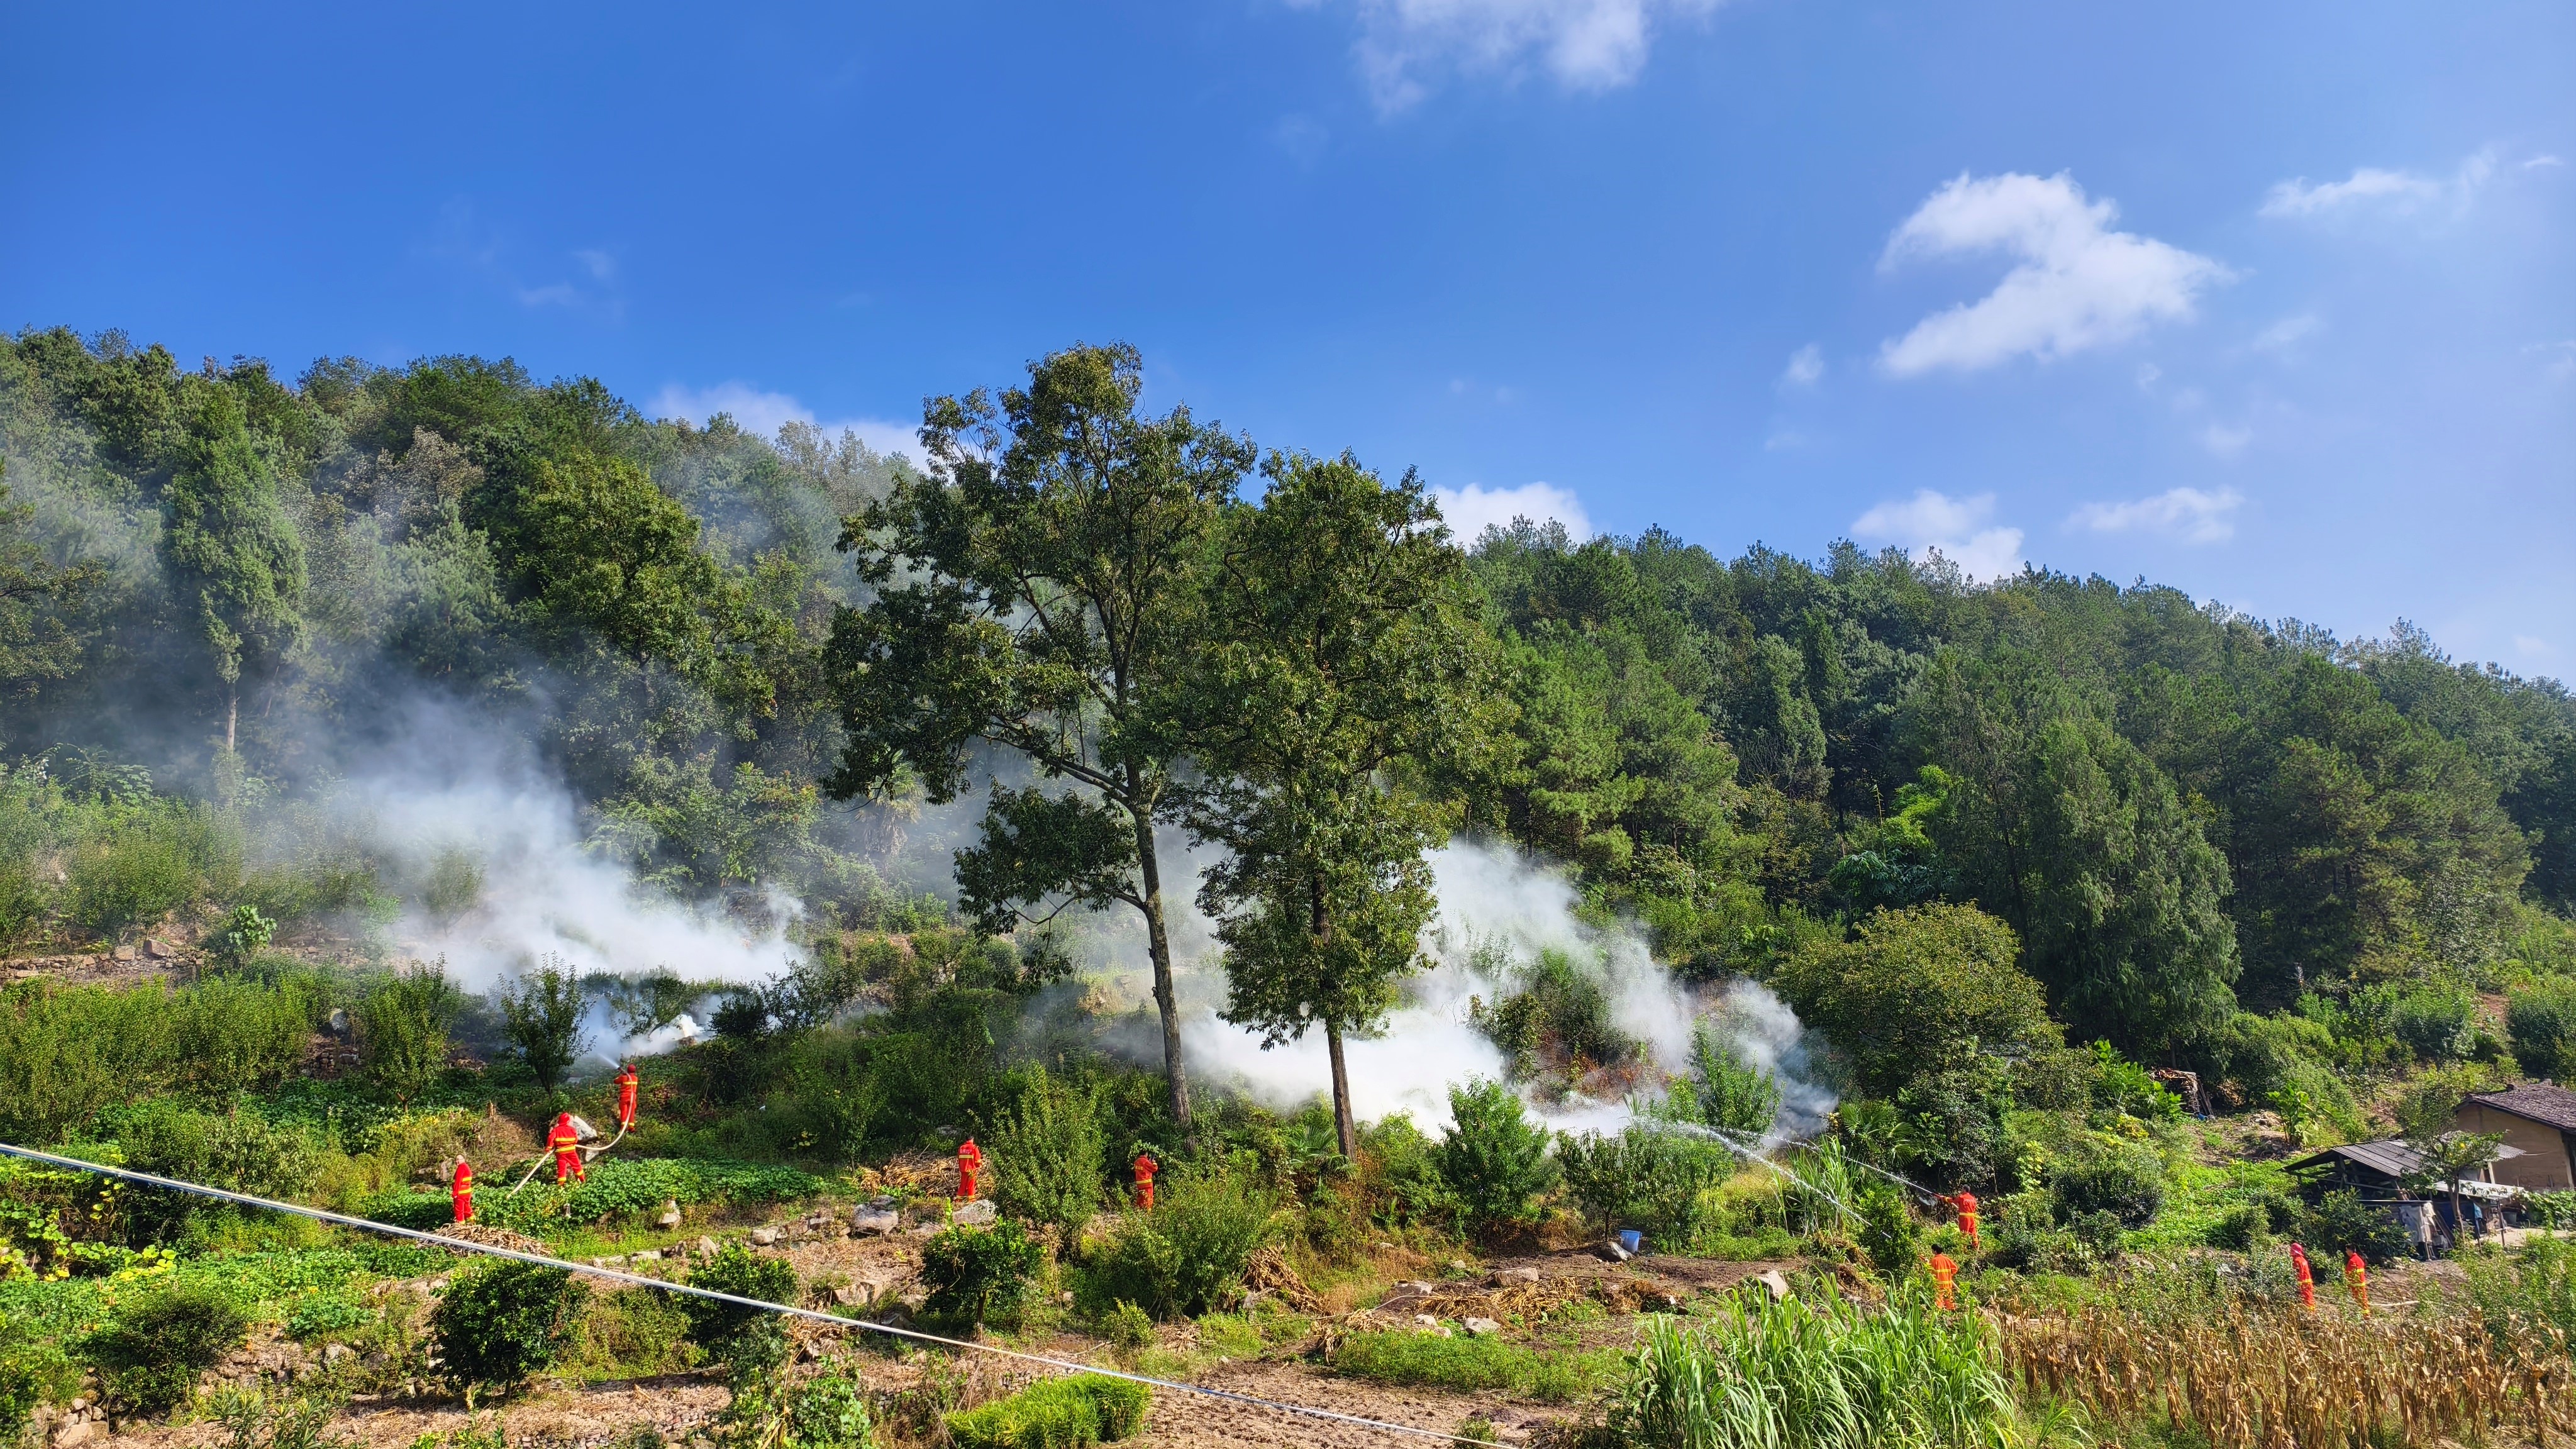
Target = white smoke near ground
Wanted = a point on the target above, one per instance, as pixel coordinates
(1493, 896)
(451, 790)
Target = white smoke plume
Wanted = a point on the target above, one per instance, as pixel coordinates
(1491, 894)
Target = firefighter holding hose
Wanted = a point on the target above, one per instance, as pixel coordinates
(626, 1084)
(1145, 1167)
(565, 1142)
(1965, 1204)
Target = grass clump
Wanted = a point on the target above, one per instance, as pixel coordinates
(1060, 1413)
(1416, 1358)
(1790, 1375)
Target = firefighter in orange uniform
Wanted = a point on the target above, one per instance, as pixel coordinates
(970, 1161)
(2356, 1274)
(626, 1082)
(566, 1146)
(1944, 1274)
(460, 1192)
(2307, 1277)
(1145, 1167)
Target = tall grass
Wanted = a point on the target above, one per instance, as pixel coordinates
(1796, 1375)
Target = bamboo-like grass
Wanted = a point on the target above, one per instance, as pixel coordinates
(1829, 1375)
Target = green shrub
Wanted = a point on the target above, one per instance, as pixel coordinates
(1560, 1017)
(541, 1015)
(2551, 1209)
(402, 1030)
(2436, 1020)
(2244, 1228)
(1727, 1093)
(231, 1036)
(2540, 1021)
(237, 1150)
(33, 1371)
(2128, 1183)
(1887, 1230)
(498, 1327)
(1911, 984)
(2342, 1223)
(980, 1274)
(828, 1411)
(1494, 1160)
(1063, 1413)
(1644, 1178)
(1399, 1174)
(1127, 1325)
(68, 1053)
(245, 934)
(2121, 1085)
(1187, 1256)
(2535, 1285)
(1047, 1156)
(732, 1332)
(149, 1354)
(143, 863)
(1790, 1375)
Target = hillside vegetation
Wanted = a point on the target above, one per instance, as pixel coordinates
(934, 729)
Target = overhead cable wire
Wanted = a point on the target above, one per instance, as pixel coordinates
(465, 1245)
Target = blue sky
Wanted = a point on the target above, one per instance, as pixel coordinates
(2272, 303)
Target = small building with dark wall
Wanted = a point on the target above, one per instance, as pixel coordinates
(2538, 1122)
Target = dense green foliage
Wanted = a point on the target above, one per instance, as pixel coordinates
(1493, 1159)
(499, 1326)
(1062, 1413)
(975, 1274)
(150, 1353)
(734, 1333)
(1185, 1258)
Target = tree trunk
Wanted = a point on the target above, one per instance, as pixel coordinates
(1342, 1121)
(232, 714)
(1158, 945)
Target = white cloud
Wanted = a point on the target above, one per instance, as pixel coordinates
(601, 266)
(2281, 336)
(2371, 188)
(2560, 359)
(2532, 646)
(1956, 528)
(755, 411)
(2079, 283)
(1471, 509)
(2184, 513)
(2224, 441)
(1805, 366)
(1587, 45)
(2537, 162)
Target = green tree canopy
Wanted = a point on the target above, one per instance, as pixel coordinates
(1911, 988)
(1042, 591)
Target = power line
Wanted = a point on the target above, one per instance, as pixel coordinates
(462, 1245)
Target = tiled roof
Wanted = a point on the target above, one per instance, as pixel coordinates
(2534, 1101)
(2392, 1157)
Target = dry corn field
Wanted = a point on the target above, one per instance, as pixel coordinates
(2303, 1381)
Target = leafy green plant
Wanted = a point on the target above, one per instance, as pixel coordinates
(32, 1371)
(402, 1030)
(1127, 1325)
(1047, 1153)
(1065, 1413)
(1494, 1160)
(828, 1411)
(741, 1336)
(1730, 1094)
(143, 863)
(980, 1274)
(1188, 1255)
(245, 934)
(150, 1353)
(498, 1327)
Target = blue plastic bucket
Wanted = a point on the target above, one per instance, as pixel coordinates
(1632, 1240)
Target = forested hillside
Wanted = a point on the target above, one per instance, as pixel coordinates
(224, 588)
